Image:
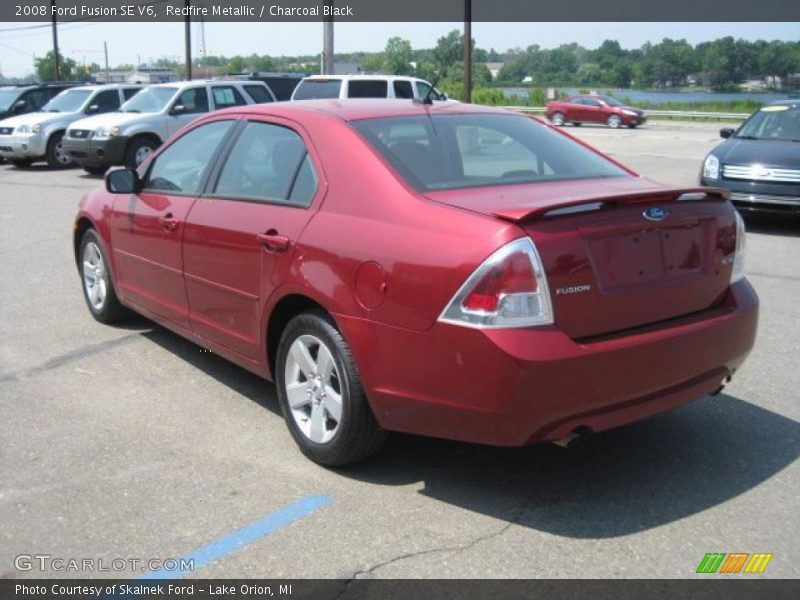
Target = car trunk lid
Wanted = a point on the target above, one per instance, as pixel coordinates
(619, 254)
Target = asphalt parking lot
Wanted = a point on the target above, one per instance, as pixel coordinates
(130, 442)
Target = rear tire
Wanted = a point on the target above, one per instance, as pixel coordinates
(614, 121)
(95, 170)
(633, 126)
(56, 156)
(321, 394)
(22, 164)
(577, 123)
(98, 287)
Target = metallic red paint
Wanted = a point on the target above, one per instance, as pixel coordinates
(629, 346)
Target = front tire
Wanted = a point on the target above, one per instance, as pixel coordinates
(56, 156)
(95, 170)
(22, 164)
(614, 121)
(138, 150)
(98, 288)
(321, 394)
(557, 119)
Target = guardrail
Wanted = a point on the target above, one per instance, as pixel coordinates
(682, 114)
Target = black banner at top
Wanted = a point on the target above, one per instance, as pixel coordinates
(402, 10)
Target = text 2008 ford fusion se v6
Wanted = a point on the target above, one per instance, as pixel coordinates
(446, 270)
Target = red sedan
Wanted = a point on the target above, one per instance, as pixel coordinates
(447, 270)
(594, 109)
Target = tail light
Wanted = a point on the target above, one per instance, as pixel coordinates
(508, 290)
(738, 258)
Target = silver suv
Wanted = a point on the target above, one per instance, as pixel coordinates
(39, 135)
(142, 124)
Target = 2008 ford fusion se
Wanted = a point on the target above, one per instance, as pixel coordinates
(446, 270)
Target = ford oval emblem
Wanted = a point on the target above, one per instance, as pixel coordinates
(655, 214)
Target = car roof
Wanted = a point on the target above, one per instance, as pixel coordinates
(370, 77)
(351, 109)
(202, 82)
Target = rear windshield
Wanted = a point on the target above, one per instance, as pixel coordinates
(317, 88)
(444, 152)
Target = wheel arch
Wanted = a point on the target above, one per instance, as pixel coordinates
(284, 311)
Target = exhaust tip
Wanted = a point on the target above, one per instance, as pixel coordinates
(570, 440)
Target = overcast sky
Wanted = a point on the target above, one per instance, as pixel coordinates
(129, 41)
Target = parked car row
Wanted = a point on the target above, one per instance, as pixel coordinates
(95, 127)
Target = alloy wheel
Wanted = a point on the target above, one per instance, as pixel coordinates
(95, 276)
(313, 388)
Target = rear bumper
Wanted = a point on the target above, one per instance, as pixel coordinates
(23, 147)
(515, 387)
(96, 153)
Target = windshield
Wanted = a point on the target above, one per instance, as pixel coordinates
(67, 101)
(610, 101)
(460, 151)
(772, 123)
(317, 88)
(149, 100)
(7, 98)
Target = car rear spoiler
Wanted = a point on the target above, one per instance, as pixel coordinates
(596, 201)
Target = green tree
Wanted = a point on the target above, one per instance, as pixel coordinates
(236, 64)
(46, 67)
(398, 56)
(372, 63)
(262, 63)
(449, 49)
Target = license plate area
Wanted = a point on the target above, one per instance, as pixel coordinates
(627, 260)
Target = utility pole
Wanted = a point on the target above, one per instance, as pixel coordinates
(57, 63)
(188, 41)
(467, 50)
(105, 51)
(327, 41)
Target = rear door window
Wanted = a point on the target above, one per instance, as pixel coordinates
(367, 88)
(226, 96)
(130, 92)
(268, 163)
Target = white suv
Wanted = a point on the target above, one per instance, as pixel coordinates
(144, 122)
(364, 86)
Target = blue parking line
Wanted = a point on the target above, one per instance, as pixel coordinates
(246, 535)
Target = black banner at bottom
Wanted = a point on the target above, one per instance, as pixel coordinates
(709, 588)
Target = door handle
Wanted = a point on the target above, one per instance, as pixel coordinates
(274, 242)
(168, 222)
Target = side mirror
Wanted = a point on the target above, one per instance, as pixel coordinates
(178, 109)
(123, 181)
(93, 108)
(726, 132)
(443, 96)
(19, 105)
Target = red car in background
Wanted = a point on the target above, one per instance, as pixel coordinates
(442, 269)
(594, 109)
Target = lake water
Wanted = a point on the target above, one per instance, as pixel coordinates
(663, 97)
